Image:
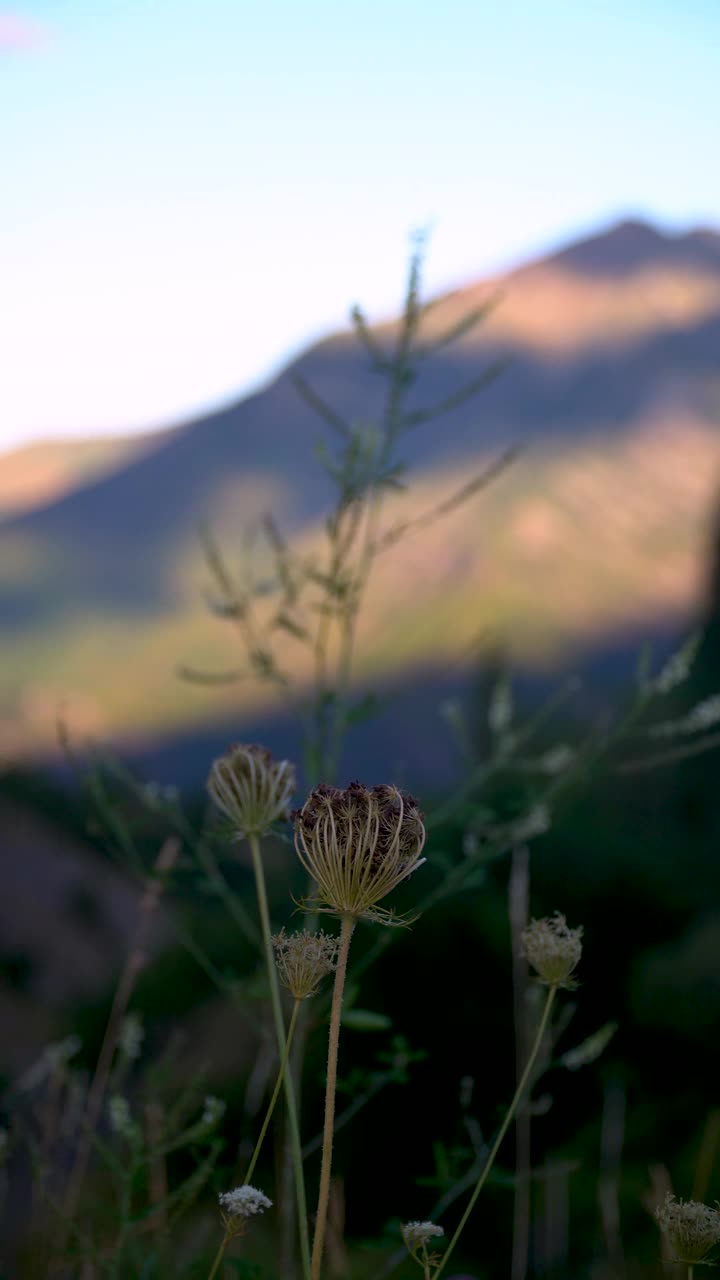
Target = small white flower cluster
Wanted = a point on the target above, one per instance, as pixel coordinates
(213, 1112)
(416, 1234)
(243, 1202)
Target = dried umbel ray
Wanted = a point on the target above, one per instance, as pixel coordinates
(358, 843)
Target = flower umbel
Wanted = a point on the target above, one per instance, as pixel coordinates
(553, 950)
(251, 789)
(239, 1205)
(358, 843)
(303, 960)
(418, 1233)
(692, 1228)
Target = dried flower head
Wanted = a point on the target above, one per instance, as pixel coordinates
(252, 790)
(303, 960)
(239, 1205)
(416, 1234)
(692, 1228)
(358, 843)
(553, 950)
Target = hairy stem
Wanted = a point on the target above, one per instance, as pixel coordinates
(276, 1091)
(519, 1093)
(290, 1103)
(346, 932)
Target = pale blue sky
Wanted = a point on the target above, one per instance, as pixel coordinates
(192, 191)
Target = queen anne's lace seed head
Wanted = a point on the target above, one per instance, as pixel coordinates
(239, 1205)
(692, 1228)
(251, 789)
(358, 843)
(553, 950)
(416, 1234)
(303, 960)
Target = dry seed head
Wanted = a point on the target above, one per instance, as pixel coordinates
(303, 960)
(358, 843)
(692, 1228)
(416, 1234)
(553, 950)
(251, 789)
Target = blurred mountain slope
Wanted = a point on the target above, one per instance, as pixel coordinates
(613, 387)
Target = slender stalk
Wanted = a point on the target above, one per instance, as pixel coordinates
(276, 1091)
(519, 1092)
(690, 1271)
(218, 1258)
(286, 1075)
(346, 932)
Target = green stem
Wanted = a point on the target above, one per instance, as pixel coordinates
(276, 1091)
(218, 1259)
(522, 1083)
(346, 932)
(290, 1103)
(690, 1271)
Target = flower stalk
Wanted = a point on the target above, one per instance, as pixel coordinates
(519, 1094)
(346, 932)
(286, 1076)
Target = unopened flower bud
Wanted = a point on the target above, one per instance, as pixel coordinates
(692, 1228)
(553, 950)
(303, 960)
(358, 843)
(251, 789)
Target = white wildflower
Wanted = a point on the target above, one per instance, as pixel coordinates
(243, 1202)
(416, 1234)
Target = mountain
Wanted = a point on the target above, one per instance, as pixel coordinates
(612, 387)
(35, 474)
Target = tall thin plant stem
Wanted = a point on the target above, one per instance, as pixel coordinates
(276, 1092)
(519, 1093)
(346, 932)
(287, 1079)
(218, 1258)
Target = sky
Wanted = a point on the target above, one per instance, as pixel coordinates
(190, 193)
